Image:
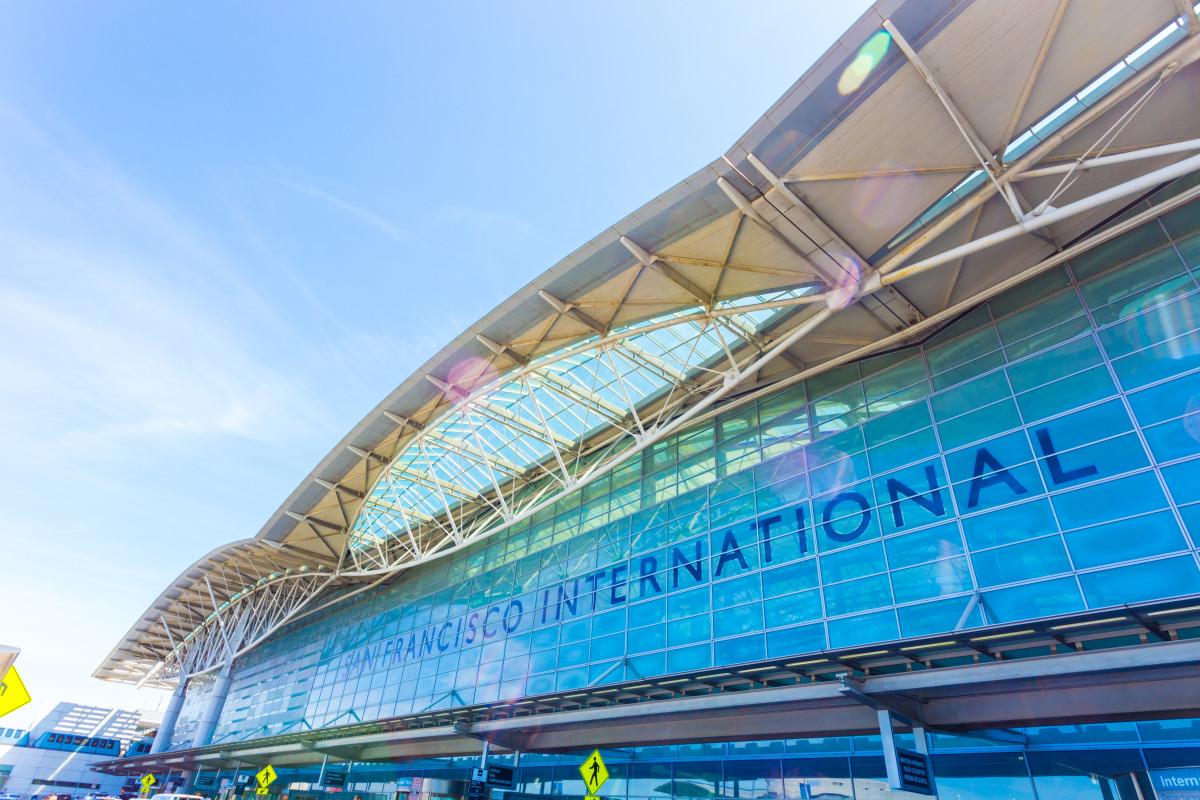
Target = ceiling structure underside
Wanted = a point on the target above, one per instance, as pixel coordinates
(935, 155)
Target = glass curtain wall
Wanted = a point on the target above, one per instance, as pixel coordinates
(1040, 452)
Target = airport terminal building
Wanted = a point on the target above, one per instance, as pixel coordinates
(876, 439)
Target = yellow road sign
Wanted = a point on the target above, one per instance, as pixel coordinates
(148, 780)
(265, 776)
(262, 790)
(594, 772)
(13, 693)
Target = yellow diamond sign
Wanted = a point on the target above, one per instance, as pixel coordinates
(265, 776)
(148, 780)
(594, 772)
(13, 693)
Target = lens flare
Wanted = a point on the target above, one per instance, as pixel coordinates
(884, 202)
(848, 277)
(870, 55)
(471, 374)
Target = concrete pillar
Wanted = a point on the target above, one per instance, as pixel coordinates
(212, 711)
(162, 739)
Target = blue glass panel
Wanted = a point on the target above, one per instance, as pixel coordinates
(997, 472)
(684, 604)
(1180, 354)
(983, 423)
(540, 684)
(792, 608)
(854, 562)
(1053, 364)
(1035, 558)
(1032, 600)
(570, 679)
(746, 589)
(940, 541)
(647, 613)
(1139, 537)
(732, 621)
(1048, 338)
(1012, 524)
(896, 424)
(1191, 520)
(878, 626)
(795, 641)
(844, 517)
(949, 576)
(913, 497)
(689, 631)
(938, 616)
(1167, 401)
(1151, 580)
(971, 369)
(1157, 324)
(1124, 497)
(859, 595)
(646, 666)
(1089, 425)
(782, 493)
(1133, 278)
(904, 450)
(741, 650)
(970, 396)
(1063, 395)
(1028, 292)
(1118, 251)
(1073, 467)
(840, 473)
(641, 640)
(610, 622)
(962, 351)
(613, 647)
(789, 465)
(790, 578)
(1184, 481)
(734, 550)
(1036, 318)
(689, 658)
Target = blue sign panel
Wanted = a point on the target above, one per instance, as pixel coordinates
(1176, 784)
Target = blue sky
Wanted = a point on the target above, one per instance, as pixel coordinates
(228, 230)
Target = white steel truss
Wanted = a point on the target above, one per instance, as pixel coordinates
(241, 622)
(503, 449)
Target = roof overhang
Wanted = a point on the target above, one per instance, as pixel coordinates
(978, 144)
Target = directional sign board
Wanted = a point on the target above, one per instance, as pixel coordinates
(265, 777)
(335, 776)
(594, 772)
(206, 781)
(498, 775)
(13, 693)
(148, 780)
(914, 771)
(477, 790)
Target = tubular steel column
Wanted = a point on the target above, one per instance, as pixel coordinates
(166, 729)
(212, 711)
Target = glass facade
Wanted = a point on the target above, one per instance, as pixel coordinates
(1085, 762)
(1038, 453)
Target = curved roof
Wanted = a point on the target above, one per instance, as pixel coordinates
(998, 130)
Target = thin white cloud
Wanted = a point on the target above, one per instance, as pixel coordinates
(119, 323)
(372, 219)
